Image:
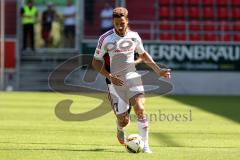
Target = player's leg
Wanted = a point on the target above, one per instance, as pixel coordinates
(136, 98)
(138, 102)
(122, 122)
(120, 108)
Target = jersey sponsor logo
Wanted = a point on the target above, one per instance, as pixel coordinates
(125, 45)
(125, 50)
(110, 46)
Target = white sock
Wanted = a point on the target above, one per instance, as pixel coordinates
(143, 129)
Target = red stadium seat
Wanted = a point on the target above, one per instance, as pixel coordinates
(180, 26)
(236, 13)
(224, 26)
(208, 13)
(180, 37)
(208, 2)
(194, 26)
(165, 25)
(209, 26)
(211, 37)
(222, 2)
(178, 2)
(195, 37)
(143, 26)
(223, 13)
(145, 36)
(164, 13)
(163, 2)
(237, 37)
(236, 26)
(235, 3)
(193, 2)
(179, 13)
(226, 37)
(193, 13)
(166, 36)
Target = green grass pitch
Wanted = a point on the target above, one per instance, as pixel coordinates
(29, 129)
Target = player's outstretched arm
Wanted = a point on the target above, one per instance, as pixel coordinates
(150, 62)
(98, 66)
(138, 60)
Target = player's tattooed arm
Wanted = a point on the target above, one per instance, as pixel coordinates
(138, 60)
(99, 66)
(150, 62)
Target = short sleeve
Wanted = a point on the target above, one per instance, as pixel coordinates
(139, 47)
(99, 51)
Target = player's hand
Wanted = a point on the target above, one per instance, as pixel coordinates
(165, 73)
(115, 79)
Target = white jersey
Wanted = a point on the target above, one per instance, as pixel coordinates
(121, 52)
(69, 10)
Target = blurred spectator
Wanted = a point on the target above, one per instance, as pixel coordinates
(69, 24)
(29, 15)
(47, 21)
(106, 18)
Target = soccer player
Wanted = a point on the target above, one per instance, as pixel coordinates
(124, 83)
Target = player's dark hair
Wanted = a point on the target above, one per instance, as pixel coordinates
(119, 12)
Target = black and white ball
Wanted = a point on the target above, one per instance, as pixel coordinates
(134, 143)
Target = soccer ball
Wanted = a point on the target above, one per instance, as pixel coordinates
(134, 143)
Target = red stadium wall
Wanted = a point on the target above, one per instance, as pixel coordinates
(10, 49)
(10, 33)
(10, 18)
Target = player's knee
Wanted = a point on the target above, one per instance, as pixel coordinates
(123, 120)
(140, 113)
(139, 102)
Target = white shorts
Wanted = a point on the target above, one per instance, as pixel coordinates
(120, 95)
